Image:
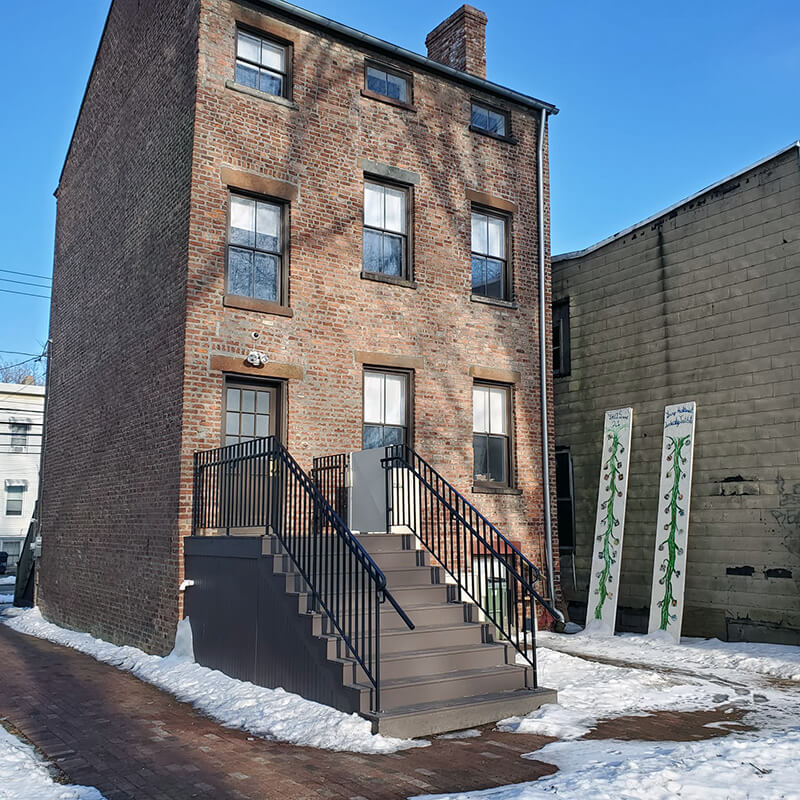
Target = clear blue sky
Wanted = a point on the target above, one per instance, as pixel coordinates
(657, 101)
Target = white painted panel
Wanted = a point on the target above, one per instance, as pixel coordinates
(612, 494)
(672, 526)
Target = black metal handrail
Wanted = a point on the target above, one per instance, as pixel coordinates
(486, 566)
(257, 484)
(329, 474)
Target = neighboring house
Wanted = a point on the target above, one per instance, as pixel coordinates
(251, 176)
(21, 412)
(699, 302)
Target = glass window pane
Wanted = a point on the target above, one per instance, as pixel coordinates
(243, 221)
(231, 440)
(376, 81)
(248, 400)
(268, 227)
(373, 251)
(262, 425)
(273, 56)
(480, 117)
(494, 279)
(240, 271)
(395, 209)
(479, 232)
(232, 423)
(262, 402)
(480, 456)
(497, 459)
(480, 409)
(373, 397)
(248, 47)
(232, 403)
(373, 205)
(497, 123)
(497, 237)
(393, 435)
(265, 280)
(372, 437)
(270, 83)
(248, 425)
(246, 75)
(397, 88)
(497, 410)
(392, 255)
(478, 275)
(395, 402)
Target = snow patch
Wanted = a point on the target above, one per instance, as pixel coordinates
(6, 599)
(469, 733)
(24, 775)
(269, 713)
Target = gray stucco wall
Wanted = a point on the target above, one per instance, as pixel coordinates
(703, 304)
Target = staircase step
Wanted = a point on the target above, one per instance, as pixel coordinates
(427, 719)
(422, 615)
(428, 638)
(375, 543)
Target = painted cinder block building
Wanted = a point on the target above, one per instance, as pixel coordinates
(700, 302)
(248, 174)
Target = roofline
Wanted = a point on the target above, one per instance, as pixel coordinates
(355, 35)
(675, 206)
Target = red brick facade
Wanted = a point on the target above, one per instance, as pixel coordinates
(460, 41)
(309, 152)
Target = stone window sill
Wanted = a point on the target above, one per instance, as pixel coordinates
(270, 98)
(493, 301)
(388, 100)
(253, 304)
(482, 488)
(483, 132)
(391, 279)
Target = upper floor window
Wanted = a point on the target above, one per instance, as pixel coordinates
(256, 249)
(14, 497)
(387, 83)
(385, 229)
(262, 64)
(385, 408)
(561, 344)
(489, 257)
(491, 448)
(489, 120)
(19, 436)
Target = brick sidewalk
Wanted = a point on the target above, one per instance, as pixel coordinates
(103, 727)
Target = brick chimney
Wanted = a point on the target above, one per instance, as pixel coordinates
(460, 41)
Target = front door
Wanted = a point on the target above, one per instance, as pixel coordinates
(251, 411)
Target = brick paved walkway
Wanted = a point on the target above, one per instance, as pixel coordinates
(103, 727)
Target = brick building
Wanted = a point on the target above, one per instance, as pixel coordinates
(699, 302)
(249, 175)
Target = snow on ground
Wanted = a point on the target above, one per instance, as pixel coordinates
(741, 767)
(5, 599)
(269, 713)
(24, 775)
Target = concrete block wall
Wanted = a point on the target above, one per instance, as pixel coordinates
(701, 304)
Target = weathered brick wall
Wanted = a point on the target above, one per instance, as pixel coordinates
(110, 553)
(316, 144)
(460, 41)
(700, 305)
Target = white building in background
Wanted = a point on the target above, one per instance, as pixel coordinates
(21, 421)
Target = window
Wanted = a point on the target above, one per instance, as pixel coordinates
(250, 411)
(565, 502)
(262, 64)
(19, 436)
(489, 120)
(489, 259)
(561, 354)
(385, 408)
(14, 497)
(255, 249)
(385, 229)
(490, 433)
(388, 83)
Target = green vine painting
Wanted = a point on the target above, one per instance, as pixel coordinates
(675, 510)
(609, 541)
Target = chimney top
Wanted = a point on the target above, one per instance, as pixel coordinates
(460, 41)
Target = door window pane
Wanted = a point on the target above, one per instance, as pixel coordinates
(248, 413)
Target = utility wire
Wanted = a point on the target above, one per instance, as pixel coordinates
(27, 274)
(25, 283)
(29, 294)
(18, 353)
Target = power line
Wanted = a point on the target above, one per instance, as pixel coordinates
(27, 274)
(18, 353)
(28, 294)
(25, 283)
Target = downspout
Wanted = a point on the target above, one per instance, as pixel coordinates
(548, 525)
